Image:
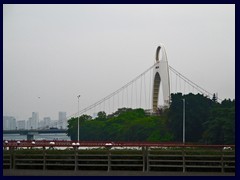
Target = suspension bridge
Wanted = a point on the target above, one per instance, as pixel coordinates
(151, 90)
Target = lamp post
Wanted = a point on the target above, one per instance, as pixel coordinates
(183, 121)
(78, 115)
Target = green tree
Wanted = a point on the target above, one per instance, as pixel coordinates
(220, 128)
(207, 121)
(101, 116)
(197, 109)
(73, 125)
(123, 125)
(214, 98)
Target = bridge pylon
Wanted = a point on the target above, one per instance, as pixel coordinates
(161, 76)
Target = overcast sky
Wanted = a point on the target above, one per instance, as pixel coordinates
(56, 52)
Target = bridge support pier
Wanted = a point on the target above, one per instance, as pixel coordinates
(30, 137)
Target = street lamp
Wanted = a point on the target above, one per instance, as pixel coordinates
(183, 121)
(78, 115)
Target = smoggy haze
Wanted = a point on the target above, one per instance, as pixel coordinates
(56, 52)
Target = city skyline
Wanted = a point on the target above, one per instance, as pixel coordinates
(34, 122)
(53, 53)
(40, 117)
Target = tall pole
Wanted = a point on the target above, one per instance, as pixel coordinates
(183, 121)
(78, 115)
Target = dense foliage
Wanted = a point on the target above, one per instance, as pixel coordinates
(123, 125)
(207, 121)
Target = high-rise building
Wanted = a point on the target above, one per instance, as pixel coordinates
(40, 125)
(9, 123)
(5, 123)
(29, 123)
(62, 120)
(46, 122)
(54, 124)
(21, 124)
(35, 120)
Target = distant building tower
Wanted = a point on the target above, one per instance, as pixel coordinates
(21, 124)
(62, 120)
(46, 122)
(5, 123)
(161, 75)
(35, 120)
(29, 123)
(32, 122)
(9, 123)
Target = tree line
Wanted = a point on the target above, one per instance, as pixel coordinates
(207, 122)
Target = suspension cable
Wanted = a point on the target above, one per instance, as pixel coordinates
(110, 95)
(194, 85)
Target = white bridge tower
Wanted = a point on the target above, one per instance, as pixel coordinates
(161, 76)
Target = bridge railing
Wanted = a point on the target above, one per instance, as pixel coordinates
(143, 158)
(67, 143)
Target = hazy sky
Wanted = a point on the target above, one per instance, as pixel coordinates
(56, 52)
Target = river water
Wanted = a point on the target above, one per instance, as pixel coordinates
(53, 136)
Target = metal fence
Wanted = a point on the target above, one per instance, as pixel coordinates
(181, 159)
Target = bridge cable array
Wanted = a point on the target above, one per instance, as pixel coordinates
(189, 82)
(138, 93)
